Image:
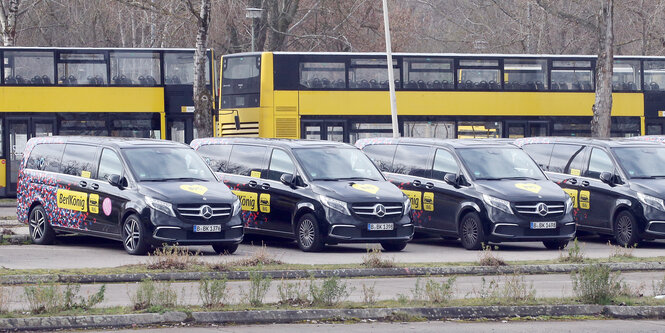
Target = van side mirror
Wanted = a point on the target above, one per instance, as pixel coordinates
(117, 181)
(287, 179)
(451, 179)
(607, 178)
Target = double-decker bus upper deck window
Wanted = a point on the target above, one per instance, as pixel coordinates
(626, 76)
(179, 68)
(28, 67)
(572, 75)
(135, 68)
(478, 74)
(82, 69)
(371, 74)
(525, 74)
(654, 75)
(428, 74)
(322, 75)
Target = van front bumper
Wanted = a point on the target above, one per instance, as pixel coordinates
(171, 230)
(348, 229)
(522, 232)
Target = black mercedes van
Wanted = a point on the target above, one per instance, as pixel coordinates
(478, 190)
(318, 192)
(139, 191)
(617, 185)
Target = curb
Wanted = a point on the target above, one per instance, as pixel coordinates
(342, 273)
(295, 316)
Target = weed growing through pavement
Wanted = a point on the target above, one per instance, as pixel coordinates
(430, 290)
(260, 257)
(596, 284)
(4, 299)
(43, 298)
(574, 254)
(154, 295)
(213, 292)
(658, 287)
(505, 289)
(8, 232)
(330, 292)
(172, 257)
(370, 295)
(292, 293)
(374, 259)
(617, 251)
(487, 257)
(259, 284)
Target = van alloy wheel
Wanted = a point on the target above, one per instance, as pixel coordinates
(471, 232)
(39, 227)
(132, 234)
(625, 230)
(306, 233)
(37, 224)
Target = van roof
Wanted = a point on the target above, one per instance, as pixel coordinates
(451, 143)
(283, 143)
(118, 142)
(608, 143)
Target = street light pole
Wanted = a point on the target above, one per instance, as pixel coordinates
(253, 13)
(391, 74)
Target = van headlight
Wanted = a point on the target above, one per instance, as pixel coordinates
(500, 204)
(335, 204)
(651, 201)
(569, 205)
(407, 205)
(160, 206)
(237, 207)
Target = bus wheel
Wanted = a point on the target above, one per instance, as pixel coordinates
(626, 232)
(133, 236)
(555, 244)
(471, 232)
(308, 236)
(40, 229)
(225, 248)
(393, 246)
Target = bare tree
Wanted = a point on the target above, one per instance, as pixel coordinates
(602, 108)
(203, 120)
(8, 17)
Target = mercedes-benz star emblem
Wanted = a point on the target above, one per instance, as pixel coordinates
(541, 209)
(379, 210)
(206, 212)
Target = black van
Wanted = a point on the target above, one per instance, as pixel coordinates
(317, 192)
(139, 191)
(617, 186)
(478, 190)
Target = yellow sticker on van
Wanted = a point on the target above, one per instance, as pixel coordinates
(585, 198)
(575, 172)
(248, 200)
(415, 197)
(573, 195)
(73, 200)
(93, 201)
(85, 174)
(428, 201)
(535, 188)
(255, 174)
(198, 189)
(369, 188)
(264, 203)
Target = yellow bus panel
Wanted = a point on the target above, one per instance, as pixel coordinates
(81, 99)
(471, 103)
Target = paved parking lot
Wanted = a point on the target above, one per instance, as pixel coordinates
(84, 252)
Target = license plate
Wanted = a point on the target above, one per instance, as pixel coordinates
(208, 228)
(543, 225)
(380, 226)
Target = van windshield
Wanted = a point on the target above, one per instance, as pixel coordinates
(500, 163)
(167, 164)
(642, 162)
(336, 164)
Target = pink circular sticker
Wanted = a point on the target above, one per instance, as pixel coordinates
(106, 206)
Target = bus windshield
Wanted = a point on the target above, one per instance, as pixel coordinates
(336, 164)
(175, 164)
(642, 162)
(500, 163)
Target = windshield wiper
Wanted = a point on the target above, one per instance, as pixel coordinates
(647, 177)
(521, 178)
(488, 178)
(185, 179)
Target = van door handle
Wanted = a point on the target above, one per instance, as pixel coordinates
(265, 186)
(83, 183)
(572, 181)
(429, 185)
(585, 183)
(252, 183)
(95, 186)
(416, 183)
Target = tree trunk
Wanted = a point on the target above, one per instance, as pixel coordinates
(8, 21)
(602, 108)
(203, 119)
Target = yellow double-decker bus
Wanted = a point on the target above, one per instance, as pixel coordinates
(91, 91)
(344, 96)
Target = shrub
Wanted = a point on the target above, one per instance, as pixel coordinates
(4, 299)
(596, 284)
(574, 254)
(617, 251)
(330, 292)
(292, 293)
(658, 287)
(373, 259)
(154, 294)
(369, 294)
(212, 293)
(439, 292)
(506, 289)
(487, 257)
(258, 287)
(170, 257)
(52, 298)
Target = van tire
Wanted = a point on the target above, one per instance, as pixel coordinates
(555, 244)
(393, 246)
(133, 236)
(225, 248)
(39, 226)
(626, 230)
(308, 235)
(471, 231)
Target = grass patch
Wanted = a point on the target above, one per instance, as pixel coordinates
(330, 292)
(507, 289)
(487, 257)
(596, 284)
(260, 257)
(170, 257)
(374, 259)
(574, 253)
(155, 296)
(44, 298)
(617, 251)
(292, 293)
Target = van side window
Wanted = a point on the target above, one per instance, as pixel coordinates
(541, 153)
(217, 156)
(46, 157)
(599, 162)
(444, 163)
(280, 163)
(382, 155)
(411, 160)
(78, 160)
(246, 160)
(109, 164)
(563, 156)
